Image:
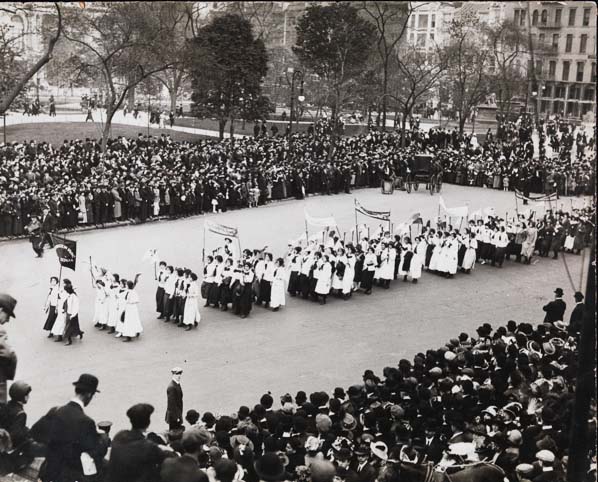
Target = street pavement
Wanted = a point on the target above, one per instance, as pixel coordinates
(230, 362)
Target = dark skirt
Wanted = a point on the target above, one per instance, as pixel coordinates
(225, 295)
(246, 300)
(160, 299)
(461, 255)
(294, 285)
(265, 291)
(72, 327)
(367, 279)
(52, 314)
(167, 305)
(213, 294)
(407, 261)
(429, 253)
(179, 307)
(304, 285)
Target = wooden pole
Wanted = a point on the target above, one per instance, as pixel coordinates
(90, 271)
(60, 275)
(203, 249)
(356, 226)
(306, 234)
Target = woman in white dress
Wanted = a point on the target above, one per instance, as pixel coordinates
(339, 270)
(387, 265)
(121, 304)
(132, 326)
(324, 280)
(191, 316)
(347, 285)
(418, 259)
(451, 255)
(112, 302)
(82, 209)
(436, 253)
(51, 305)
(529, 245)
(277, 298)
(470, 253)
(60, 323)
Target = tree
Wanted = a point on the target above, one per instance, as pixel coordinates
(417, 72)
(227, 70)
(334, 42)
(467, 73)
(119, 42)
(15, 74)
(390, 20)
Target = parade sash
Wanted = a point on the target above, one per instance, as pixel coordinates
(381, 215)
(541, 198)
(459, 212)
(66, 250)
(221, 229)
(322, 222)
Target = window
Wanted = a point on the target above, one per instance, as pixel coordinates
(557, 17)
(411, 37)
(552, 69)
(586, 17)
(541, 39)
(535, 18)
(433, 21)
(559, 92)
(583, 42)
(572, 17)
(544, 17)
(574, 92)
(555, 40)
(569, 43)
(421, 39)
(580, 68)
(431, 37)
(539, 68)
(589, 93)
(516, 17)
(547, 91)
(412, 21)
(422, 21)
(522, 18)
(566, 67)
(594, 72)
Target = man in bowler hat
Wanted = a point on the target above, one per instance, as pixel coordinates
(8, 358)
(555, 310)
(75, 449)
(576, 320)
(174, 394)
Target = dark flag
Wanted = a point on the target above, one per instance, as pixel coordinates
(66, 250)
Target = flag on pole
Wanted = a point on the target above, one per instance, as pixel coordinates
(322, 222)
(381, 215)
(221, 229)
(458, 212)
(66, 250)
(542, 198)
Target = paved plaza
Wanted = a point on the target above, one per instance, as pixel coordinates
(228, 361)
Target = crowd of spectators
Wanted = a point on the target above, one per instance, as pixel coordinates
(503, 395)
(147, 177)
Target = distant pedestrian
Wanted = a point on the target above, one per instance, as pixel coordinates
(171, 118)
(174, 394)
(52, 107)
(89, 116)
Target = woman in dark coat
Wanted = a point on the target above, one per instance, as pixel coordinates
(245, 295)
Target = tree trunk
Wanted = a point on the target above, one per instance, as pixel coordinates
(462, 119)
(110, 111)
(403, 127)
(232, 128)
(174, 90)
(384, 91)
(221, 126)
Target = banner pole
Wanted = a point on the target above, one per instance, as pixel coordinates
(91, 271)
(60, 275)
(306, 234)
(203, 249)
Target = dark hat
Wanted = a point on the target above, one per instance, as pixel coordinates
(269, 467)
(139, 415)
(88, 382)
(558, 292)
(339, 393)
(225, 469)
(181, 469)
(578, 296)
(8, 303)
(19, 390)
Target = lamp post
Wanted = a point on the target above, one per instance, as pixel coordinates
(296, 74)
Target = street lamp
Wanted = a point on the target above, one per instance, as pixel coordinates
(297, 74)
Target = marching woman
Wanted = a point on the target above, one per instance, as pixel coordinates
(51, 305)
(339, 271)
(191, 316)
(451, 253)
(406, 257)
(112, 301)
(529, 245)
(295, 259)
(387, 266)
(431, 242)
(277, 297)
(162, 275)
(417, 261)
(72, 316)
(324, 280)
(470, 253)
(369, 267)
(244, 295)
(169, 287)
(225, 286)
(209, 276)
(121, 304)
(435, 259)
(266, 281)
(314, 273)
(349, 275)
(100, 315)
(307, 262)
(359, 267)
(179, 297)
(132, 324)
(60, 323)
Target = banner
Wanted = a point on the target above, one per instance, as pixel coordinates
(66, 250)
(381, 215)
(460, 212)
(322, 222)
(415, 218)
(540, 198)
(221, 229)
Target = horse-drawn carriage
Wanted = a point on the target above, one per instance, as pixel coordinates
(425, 170)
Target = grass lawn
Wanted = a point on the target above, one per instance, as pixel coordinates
(56, 132)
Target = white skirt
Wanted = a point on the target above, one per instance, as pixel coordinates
(191, 312)
(469, 259)
(347, 284)
(59, 324)
(100, 314)
(113, 313)
(277, 296)
(435, 259)
(132, 324)
(569, 240)
(415, 270)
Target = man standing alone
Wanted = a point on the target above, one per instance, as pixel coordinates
(555, 310)
(174, 393)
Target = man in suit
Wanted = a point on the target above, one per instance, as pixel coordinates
(74, 446)
(133, 457)
(363, 468)
(576, 320)
(174, 394)
(555, 309)
(432, 445)
(48, 225)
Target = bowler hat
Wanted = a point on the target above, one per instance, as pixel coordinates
(578, 296)
(8, 303)
(87, 382)
(558, 292)
(139, 414)
(269, 467)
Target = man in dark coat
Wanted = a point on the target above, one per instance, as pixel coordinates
(48, 225)
(174, 394)
(133, 457)
(555, 310)
(71, 437)
(576, 320)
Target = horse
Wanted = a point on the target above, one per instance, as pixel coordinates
(476, 472)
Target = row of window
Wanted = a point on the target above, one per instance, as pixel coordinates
(583, 42)
(576, 92)
(579, 73)
(422, 20)
(541, 18)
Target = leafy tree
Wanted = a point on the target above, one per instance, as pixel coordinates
(334, 42)
(468, 68)
(227, 69)
(119, 42)
(14, 72)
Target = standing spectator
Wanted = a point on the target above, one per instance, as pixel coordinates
(8, 358)
(171, 119)
(52, 107)
(555, 310)
(174, 394)
(89, 116)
